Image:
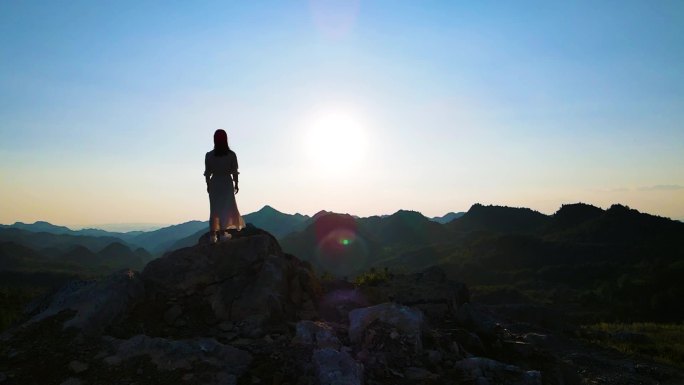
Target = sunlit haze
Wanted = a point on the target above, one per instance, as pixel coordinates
(366, 107)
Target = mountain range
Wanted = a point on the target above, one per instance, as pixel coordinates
(616, 261)
(605, 264)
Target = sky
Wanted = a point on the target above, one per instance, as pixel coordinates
(364, 107)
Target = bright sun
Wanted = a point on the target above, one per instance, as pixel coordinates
(336, 140)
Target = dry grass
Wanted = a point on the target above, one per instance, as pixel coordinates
(372, 277)
(661, 342)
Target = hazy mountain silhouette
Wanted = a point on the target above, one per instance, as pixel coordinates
(448, 217)
(404, 228)
(40, 226)
(14, 256)
(160, 240)
(499, 219)
(44, 240)
(275, 222)
(82, 256)
(17, 258)
(156, 241)
(47, 227)
(118, 255)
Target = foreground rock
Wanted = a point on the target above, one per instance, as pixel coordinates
(319, 334)
(337, 368)
(244, 312)
(429, 291)
(248, 281)
(408, 321)
(96, 304)
(218, 363)
(485, 371)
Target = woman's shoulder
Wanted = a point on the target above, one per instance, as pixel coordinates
(210, 153)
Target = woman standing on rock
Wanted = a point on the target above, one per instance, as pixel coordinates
(220, 172)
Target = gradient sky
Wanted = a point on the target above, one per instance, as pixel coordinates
(107, 108)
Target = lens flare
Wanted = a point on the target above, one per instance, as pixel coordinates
(340, 249)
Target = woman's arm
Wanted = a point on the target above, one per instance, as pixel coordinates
(235, 173)
(207, 173)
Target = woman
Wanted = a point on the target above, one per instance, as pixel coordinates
(220, 172)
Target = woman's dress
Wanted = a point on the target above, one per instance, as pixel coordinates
(223, 209)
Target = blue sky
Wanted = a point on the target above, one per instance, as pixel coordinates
(107, 109)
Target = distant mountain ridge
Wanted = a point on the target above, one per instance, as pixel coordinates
(63, 242)
(500, 219)
(402, 234)
(397, 236)
(448, 217)
(276, 222)
(47, 227)
(164, 239)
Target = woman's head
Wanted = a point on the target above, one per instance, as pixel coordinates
(220, 143)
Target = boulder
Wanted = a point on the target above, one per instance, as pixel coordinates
(431, 291)
(339, 299)
(169, 355)
(419, 374)
(316, 333)
(408, 321)
(71, 381)
(335, 367)
(474, 318)
(97, 303)
(485, 371)
(538, 315)
(248, 280)
(470, 341)
(78, 366)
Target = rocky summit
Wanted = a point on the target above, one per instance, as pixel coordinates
(245, 312)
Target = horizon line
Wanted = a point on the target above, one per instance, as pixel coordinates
(152, 226)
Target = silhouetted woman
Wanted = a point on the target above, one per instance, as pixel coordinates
(221, 173)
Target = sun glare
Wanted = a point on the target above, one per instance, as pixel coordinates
(336, 140)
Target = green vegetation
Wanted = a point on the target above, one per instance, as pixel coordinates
(662, 342)
(12, 302)
(326, 277)
(372, 277)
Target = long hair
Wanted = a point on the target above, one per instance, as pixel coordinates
(221, 143)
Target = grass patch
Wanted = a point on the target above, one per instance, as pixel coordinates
(663, 343)
(373, 277)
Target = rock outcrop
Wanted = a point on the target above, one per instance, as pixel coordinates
(429, 291)
(97, 304)
(405, 320)
(248, 281)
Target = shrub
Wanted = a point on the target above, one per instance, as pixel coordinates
(372, 277)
